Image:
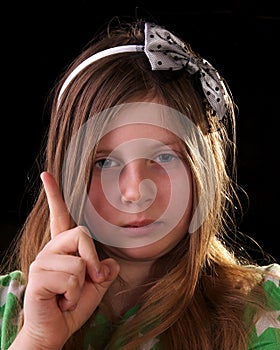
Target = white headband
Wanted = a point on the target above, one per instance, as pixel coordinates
(95, 57)
(167, 52)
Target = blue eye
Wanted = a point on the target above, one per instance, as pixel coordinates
(166, 157)
(105, 163)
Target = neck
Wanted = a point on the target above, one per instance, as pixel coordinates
(133, 281)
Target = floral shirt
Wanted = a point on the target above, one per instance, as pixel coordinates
(265, 336)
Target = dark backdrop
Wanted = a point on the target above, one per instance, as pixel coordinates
(239, 38)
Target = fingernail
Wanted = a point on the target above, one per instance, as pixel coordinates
(100, 272)
(106, 271)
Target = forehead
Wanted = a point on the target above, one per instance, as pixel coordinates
(138, 131)
(145, 119)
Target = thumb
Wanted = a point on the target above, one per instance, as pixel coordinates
(110, 269)
(95, 291)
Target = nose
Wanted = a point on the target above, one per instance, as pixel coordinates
(136, 184)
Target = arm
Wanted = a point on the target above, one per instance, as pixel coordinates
(66, 282)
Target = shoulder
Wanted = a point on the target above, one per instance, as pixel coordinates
(12, 276)
(271, 285)
(11, 295)
(271, 269)
(11, 283)
(266, 333)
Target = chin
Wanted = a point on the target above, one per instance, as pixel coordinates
(149, 252)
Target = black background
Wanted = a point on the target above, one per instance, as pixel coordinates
(240, 39)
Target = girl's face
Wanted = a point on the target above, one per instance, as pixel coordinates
(140, 196)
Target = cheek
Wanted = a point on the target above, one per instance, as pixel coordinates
(181, 201)
(164, 189)
(98, 198)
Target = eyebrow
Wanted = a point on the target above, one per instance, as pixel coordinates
(106, 151)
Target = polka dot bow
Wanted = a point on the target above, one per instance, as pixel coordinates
(166, 52)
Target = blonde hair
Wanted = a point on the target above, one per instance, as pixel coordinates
(200, 289)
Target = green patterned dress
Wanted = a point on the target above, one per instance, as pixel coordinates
(265, 336)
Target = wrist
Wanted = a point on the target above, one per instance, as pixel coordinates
(24, 341)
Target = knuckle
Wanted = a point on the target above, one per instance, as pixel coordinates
(83, 230)
(33, 267)
(73, 282)
(80, 264)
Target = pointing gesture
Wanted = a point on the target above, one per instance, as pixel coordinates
(59, 216)
(66, 281)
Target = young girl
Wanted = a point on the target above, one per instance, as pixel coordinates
(130, 243)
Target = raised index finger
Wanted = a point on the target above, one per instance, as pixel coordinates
(59, 215)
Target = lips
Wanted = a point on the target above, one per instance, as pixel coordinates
(140, 223)
(142, 228)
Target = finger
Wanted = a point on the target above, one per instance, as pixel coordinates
(76, 241)
(87, 252)
(69, 300)
(55, 286)
(87, 303)
(59, 215)
(70, 264)
(111, 270)
(80, 241)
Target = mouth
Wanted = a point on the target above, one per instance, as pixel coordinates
(137, 224)
(140, 228)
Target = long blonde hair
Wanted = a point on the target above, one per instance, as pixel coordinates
(200, 289)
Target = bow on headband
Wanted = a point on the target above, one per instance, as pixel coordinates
(166, 52)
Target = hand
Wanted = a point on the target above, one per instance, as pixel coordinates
(66, 281)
